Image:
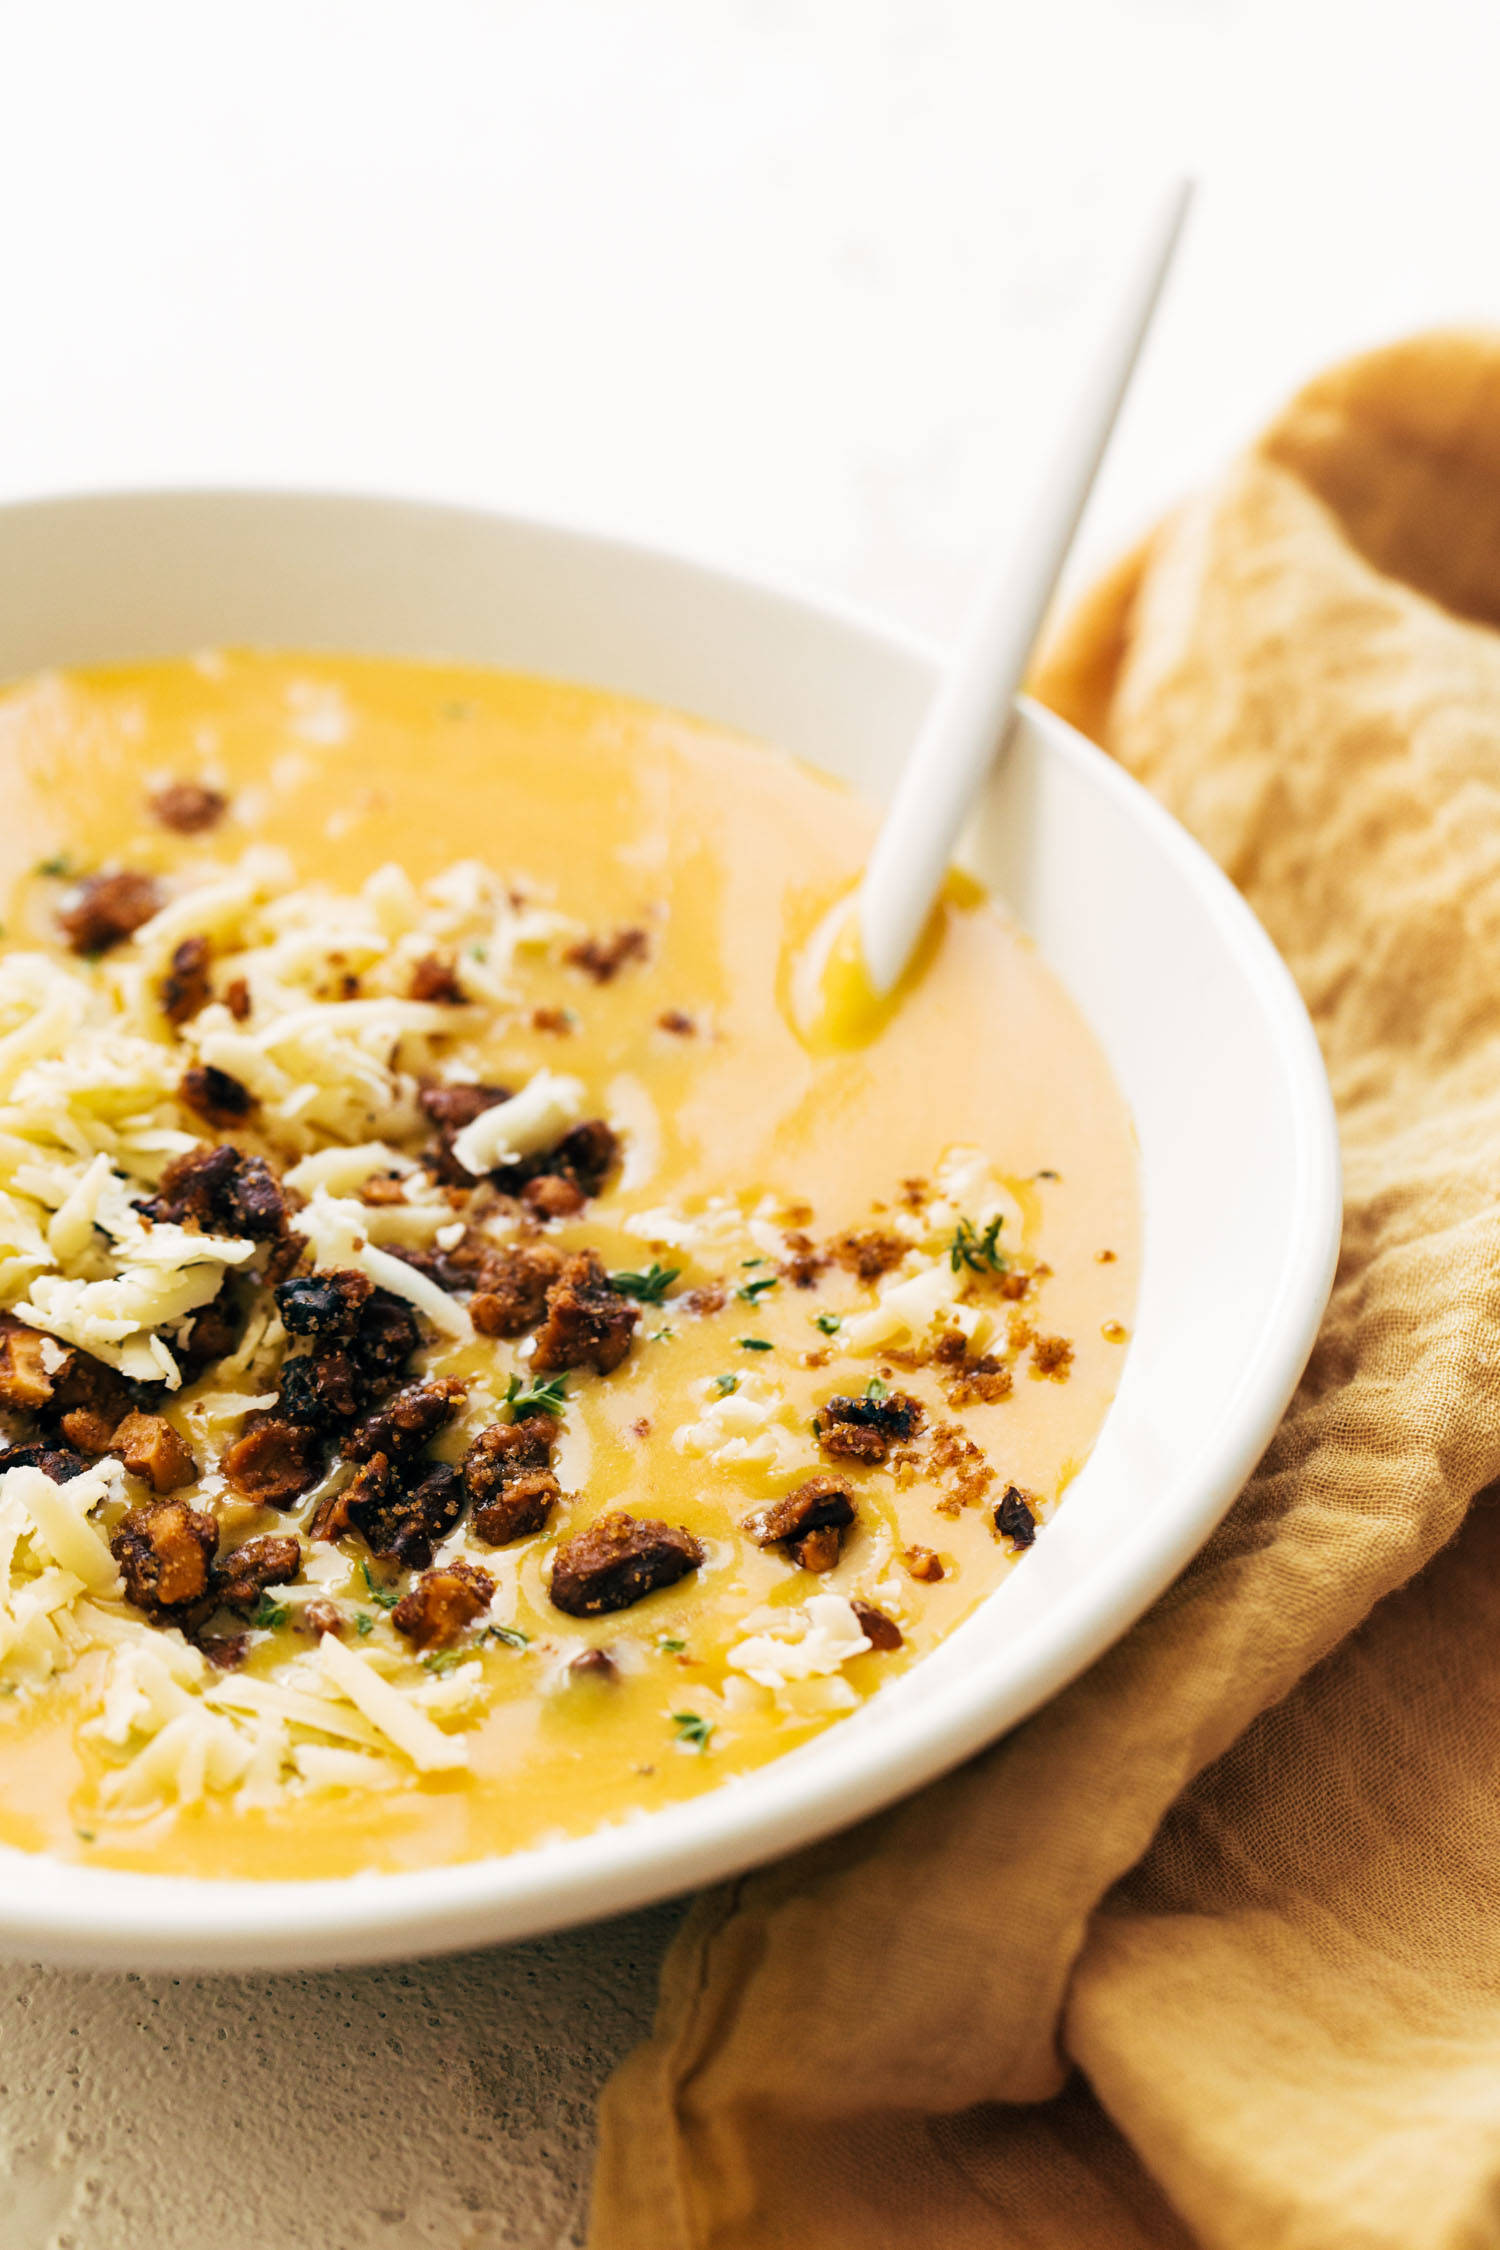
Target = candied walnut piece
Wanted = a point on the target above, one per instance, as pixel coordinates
(150, 1447)
(1014, 1517)
(226, 1651)
(165, 1552)
(816, 1550)
(508, 1478)
(108, 908)
(618, 1561)
(383, 1188)
(509, 1449)
(275, 1462)
(189, 807)
(322, 1389)
(924, 1564)
(237, 999)
(519, 1509)
(880, 1631)
(54, 1461)
(387, 1336)
(212, 1332)
(513, 1292)
(184, 988)
(324, 1304)
(808, 1522)
(243, 1577)
(586, 1154)
(1052, 1355)
(450, 1109)
(400, 1525)
(593, 1664)
(319, 1618)
(443, 1604)
(870, 1254)
(587, 1324)
(602, 958)
(212, 1094)
(435, 978)
(222, 1191)
(24, 1352)
(553, 1196)
(864, 1429)
(408, 1420)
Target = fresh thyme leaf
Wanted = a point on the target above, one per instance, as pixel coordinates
(662, 1335)
(752, 1262)
(981, 1253)
(512, 1635)
(270, 1616)
(84, 1835)
(649, 1287)
(692, 1731)
(536, 1398)
(753, 1291)
(479, 952)
(443, 1659)
(363, 1623)
(386, 1596)
(58, 864)
(876, 1390)
(753, 1343)
(669, 1646)
(724, 1384)
(829, 1322)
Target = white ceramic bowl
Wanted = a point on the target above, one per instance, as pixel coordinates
(1206, 1033)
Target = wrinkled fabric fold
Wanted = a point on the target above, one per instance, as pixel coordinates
(1208, 1951)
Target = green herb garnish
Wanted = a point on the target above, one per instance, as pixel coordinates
(512, 1635)
(649, 1287)
(386, 1596)
(692, 1732)
(443, 1659)
(981, 1253)
(479, 952)
(270, 1616)
(363, 1623)
(58, 864)
(829, 1322)
(875, 1390)
(753, 1291)
(670, 1647)
(724, 1384)
(546, 1397)
(753, 1344)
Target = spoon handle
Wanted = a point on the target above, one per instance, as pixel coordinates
(967, 722)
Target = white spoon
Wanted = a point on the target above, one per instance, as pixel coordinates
(857, 958)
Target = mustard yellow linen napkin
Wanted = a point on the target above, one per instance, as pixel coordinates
(1208, 1952)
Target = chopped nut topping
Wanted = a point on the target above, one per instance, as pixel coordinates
(189, 807)
(618, 1561)
(109, 908)
(442, 1604)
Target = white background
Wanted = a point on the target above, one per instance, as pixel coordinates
(795, 283)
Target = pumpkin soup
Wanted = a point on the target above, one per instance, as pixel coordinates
(469, 1373)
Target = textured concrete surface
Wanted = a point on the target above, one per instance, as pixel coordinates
(446, 2104)
(787, 282)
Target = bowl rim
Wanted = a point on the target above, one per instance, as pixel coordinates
(109, 1917)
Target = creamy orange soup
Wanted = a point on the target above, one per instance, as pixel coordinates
(471, 1372)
